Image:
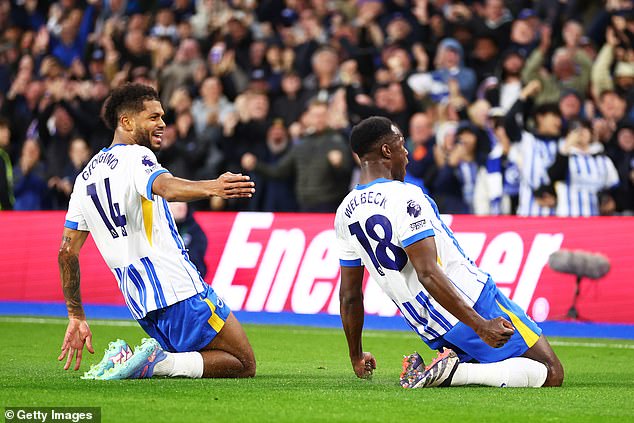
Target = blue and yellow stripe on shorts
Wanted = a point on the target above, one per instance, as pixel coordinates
(529, 336)
(215, 321)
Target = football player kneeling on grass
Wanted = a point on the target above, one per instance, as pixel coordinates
(121, 199)
(396, 232)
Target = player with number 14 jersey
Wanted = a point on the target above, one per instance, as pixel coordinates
(133, 228)
(120, 197)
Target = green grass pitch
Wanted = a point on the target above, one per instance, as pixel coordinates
(304, 375)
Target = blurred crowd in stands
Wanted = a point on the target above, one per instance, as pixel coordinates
(508, 107)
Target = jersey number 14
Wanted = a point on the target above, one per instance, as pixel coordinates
(115, 213)
(380, 258)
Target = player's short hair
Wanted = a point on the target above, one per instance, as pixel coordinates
(369, 133)
(127, 98)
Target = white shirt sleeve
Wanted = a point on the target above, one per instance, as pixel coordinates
(412, 217)
(347, 255)
(75, 216)
(145, 169)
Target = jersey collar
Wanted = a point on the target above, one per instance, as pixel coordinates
(369, 184)
(110, 148)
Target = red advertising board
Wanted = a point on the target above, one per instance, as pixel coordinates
(288, 262)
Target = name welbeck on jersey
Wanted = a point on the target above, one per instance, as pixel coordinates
(107, 158)
(369, 197)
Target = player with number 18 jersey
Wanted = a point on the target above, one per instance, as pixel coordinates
(375, 222)
(395, 231)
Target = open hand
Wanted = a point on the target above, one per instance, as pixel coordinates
(232, 185)
(77, 335)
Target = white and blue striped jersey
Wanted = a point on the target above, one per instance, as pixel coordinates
(373, 225)
(133, 228)
(587, 175)
(537, 156)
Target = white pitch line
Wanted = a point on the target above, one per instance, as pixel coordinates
(320, 331)
(591, 345)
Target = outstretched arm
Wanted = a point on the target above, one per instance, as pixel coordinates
(228, 185)
(351, 309)
(520, 108)
(495, 332)
(284, 168)
(77, 333)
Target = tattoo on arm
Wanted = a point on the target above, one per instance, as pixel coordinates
(69, 274)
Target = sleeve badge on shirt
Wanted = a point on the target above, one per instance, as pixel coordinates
(147, 161)
(413, 208)
(417, 225)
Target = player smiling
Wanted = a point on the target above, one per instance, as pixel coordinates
(120, 198)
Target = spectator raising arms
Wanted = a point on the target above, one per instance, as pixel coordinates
(320, 162)
(582, 175)
(538, 151)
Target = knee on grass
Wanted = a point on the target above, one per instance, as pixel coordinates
(555, 376)
(248, 368)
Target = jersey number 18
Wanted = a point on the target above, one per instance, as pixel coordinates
(379, 256)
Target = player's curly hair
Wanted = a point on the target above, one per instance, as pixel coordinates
(126, 98)
(368, 133)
